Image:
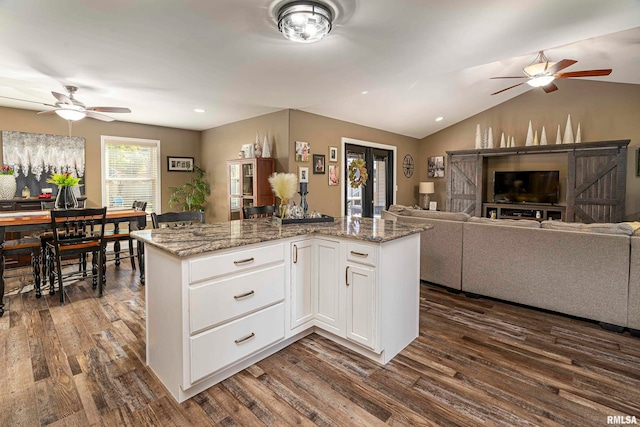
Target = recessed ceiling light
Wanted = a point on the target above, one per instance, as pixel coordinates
(439, 119)
(364, 92)
(199, 110)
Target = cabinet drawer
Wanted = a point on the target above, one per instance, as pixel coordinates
(249, 258)
(215, 349)
(362, 254)
(216, 302)
(7, 206)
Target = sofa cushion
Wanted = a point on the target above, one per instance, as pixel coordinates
(511, 222)
(451, 216)
(398, 209)
(597, 227)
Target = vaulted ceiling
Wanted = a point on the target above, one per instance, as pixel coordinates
(416, 60)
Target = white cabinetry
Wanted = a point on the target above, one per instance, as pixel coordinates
(361, 302)
(329, 305)
(302, 282)
(207, 313)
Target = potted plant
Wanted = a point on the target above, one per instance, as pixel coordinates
(192, 196)
(66, 198)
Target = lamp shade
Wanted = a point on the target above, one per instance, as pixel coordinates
(426, 188)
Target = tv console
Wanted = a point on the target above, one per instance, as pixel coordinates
(523, 211)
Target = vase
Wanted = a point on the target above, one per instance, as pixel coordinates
(66, 199)
(7, 187)
(282, 209)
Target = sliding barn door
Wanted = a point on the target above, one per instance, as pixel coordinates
(464, 184)
(596, 185)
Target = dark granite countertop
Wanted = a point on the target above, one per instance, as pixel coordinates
(198, 239)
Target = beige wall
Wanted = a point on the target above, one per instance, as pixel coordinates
(605, 111)
(173, 142)
(321, 133)
(224, 142)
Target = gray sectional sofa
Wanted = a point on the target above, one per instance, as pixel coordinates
(585, 270)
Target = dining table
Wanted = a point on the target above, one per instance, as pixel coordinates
(30, 221)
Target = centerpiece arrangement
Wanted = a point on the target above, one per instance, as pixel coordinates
(66, 198)
(284, 186)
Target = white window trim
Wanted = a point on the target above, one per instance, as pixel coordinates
(129, 141)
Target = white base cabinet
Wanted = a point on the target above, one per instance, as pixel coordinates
(210, 316)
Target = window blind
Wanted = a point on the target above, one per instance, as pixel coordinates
(131, 172)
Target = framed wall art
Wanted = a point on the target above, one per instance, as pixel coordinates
(303, 174)
(334, 179)
(435, 167)
(333, 154)
(302, 151)
(180, 164)
(318, 163)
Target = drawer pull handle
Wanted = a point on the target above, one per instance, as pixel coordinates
(244, 261)
(359, 254)
(248, 294)
(346, 275)
(295, 254)
(245, 339)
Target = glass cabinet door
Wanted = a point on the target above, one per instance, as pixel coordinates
(247, 180)
(235, 192)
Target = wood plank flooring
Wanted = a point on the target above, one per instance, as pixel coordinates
(476, 362)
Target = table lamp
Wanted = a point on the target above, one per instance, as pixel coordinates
(426, 188)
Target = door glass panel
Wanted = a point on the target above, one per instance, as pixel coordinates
(354, 195)
(379, 185)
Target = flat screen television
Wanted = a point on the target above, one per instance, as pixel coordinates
(526, 187)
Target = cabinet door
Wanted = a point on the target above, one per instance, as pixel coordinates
(301, 282)
(328, 288)
(361, 303)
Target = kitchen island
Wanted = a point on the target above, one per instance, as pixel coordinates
(220, 297)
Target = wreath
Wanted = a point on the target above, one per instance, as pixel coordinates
(358, 173)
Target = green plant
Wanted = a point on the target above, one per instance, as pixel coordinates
(6, 170)
(63, 180)
(192, 196)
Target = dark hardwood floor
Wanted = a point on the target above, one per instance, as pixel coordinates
(476, 362)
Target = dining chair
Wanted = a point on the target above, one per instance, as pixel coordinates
(22, 246)
(258, 211)
(176, 219)
(77, 232)
(116, 236)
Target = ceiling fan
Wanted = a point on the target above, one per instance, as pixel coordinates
(71, 109)
(541, 73)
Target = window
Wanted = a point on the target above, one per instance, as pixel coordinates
(130, 172)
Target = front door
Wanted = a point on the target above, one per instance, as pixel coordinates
(371, 199)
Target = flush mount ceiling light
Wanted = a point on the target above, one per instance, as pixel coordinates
(304, 21)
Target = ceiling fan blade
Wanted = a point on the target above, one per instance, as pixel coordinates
(510, 87)
(586, 73)
(24, 100)
(62, 98)
(109, 109)
(560, 66)
(98, 116)
(47, 113)
(509, 77)
(551, 87)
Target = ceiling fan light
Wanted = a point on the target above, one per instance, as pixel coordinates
(540, 81)
(71, 114)
(304, 21)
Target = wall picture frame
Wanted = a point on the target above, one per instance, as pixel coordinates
(333, 154)
(303, 174)
(179, 164)
(318, 163)
(435, 167)
(302, 151)
(334, 178)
